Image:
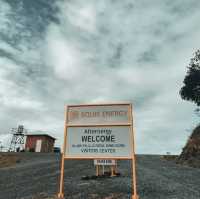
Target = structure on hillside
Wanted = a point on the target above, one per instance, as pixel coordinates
(18, 139)
(39, 143)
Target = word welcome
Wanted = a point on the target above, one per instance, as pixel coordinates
(98, 138)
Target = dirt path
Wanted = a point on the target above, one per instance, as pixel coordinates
(157, 179)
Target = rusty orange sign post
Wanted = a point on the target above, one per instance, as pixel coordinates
(99, 131)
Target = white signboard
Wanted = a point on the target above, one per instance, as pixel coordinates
(99, 131)
(104, 162)
(92, 142)
(102, 114)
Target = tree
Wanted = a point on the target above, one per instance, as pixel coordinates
(191, 89)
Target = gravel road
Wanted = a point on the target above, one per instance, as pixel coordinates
(38, 174)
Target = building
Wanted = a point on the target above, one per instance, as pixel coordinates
(39, 143)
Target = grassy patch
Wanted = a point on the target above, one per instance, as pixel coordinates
(169, 157)
(8, 160)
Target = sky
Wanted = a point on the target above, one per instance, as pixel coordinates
(54, 53)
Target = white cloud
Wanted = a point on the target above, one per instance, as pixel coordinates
(7, 47)
(4, 12)
(83, 16)
(63, 56)
(11, 95)
(102, 51)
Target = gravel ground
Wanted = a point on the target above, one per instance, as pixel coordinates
(37, 175)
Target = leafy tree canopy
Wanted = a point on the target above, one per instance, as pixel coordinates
(191, 88)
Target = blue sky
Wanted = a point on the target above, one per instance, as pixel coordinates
(61, 52)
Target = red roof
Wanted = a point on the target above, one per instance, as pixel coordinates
(46, 135)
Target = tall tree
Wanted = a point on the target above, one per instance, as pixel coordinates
(191, 88)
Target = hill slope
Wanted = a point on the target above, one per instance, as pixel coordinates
(191, 152)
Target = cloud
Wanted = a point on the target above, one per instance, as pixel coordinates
(80, 15)
(4, 12)
(70, 52)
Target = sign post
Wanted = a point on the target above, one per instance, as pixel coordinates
(99, 131)
(97, 170)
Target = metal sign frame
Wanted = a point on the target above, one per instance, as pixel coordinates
(132, 143)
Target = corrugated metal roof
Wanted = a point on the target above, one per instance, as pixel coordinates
(41, 135)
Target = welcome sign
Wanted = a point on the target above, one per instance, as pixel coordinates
(98, 131)
(113, 141)
(101, 132)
